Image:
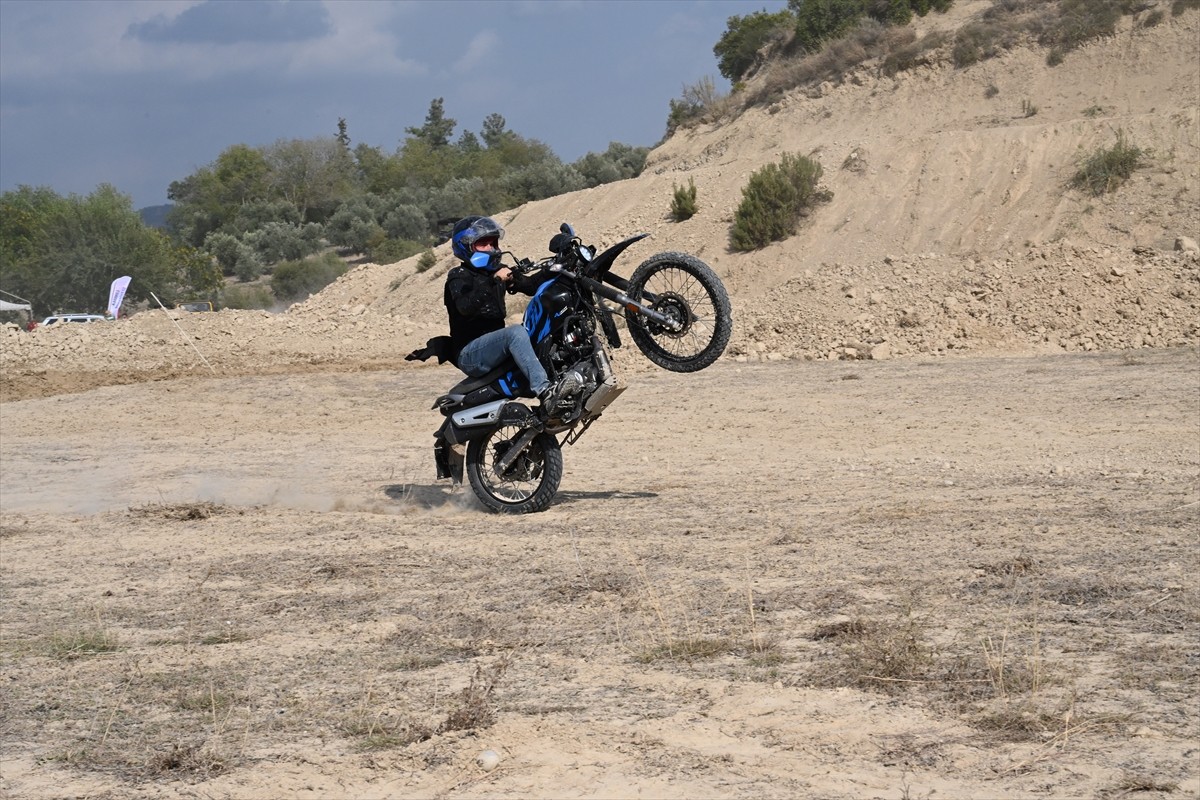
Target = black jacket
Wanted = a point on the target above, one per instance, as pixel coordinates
(475, 303)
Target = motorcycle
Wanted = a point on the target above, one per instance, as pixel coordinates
(676, 311)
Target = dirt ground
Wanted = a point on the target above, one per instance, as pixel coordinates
(942, 577)
(928, 529)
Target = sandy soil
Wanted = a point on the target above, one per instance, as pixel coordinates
(951, 578)
(928, 529)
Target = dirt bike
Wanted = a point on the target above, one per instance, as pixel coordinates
(676, 311)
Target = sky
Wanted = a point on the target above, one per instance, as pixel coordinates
(140, 93)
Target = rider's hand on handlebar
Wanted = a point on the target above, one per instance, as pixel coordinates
(504, 274)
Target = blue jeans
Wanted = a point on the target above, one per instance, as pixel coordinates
(490, 350)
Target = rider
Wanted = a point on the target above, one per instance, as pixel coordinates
(475, 302)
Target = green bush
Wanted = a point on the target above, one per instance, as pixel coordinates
(774, 200)
(247, 297)
(389, 251)
(1080, 21)
(426, 262)
(978, 41)
(819, 21)
(1106, 169)
(738, 49)
(618, 162)
(353, 225)
(295, 280)
(683, 204)
(692, 108)
(278, 241)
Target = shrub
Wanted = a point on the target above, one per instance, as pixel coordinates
(1080, 21)
(426, 262)
(247, 297)
(978, 41)
(295, 280)
(774, 200)
(1105, 170)
(818, 21)
(279, 241)
(389, 251)
(541, 180)
(1179, 6)
(353, 225)
(697, 100)
(683, 204)
(405, 221)
(914, 53)
(618, 162)
(738, 49)
(253, 215)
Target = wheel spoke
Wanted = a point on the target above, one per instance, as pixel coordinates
(516, 487)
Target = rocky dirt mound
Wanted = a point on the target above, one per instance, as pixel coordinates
(951, 229)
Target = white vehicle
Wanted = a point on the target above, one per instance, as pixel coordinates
(57, 318)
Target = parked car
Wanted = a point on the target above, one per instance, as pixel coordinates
(201, 305)
(57, 318)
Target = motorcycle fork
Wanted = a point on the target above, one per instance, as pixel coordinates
(630, 305)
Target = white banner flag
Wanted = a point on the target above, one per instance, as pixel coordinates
(116, 294)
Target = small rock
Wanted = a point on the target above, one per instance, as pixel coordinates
(488, 760)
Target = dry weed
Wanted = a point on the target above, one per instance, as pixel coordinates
(81, 643)
(475, 707)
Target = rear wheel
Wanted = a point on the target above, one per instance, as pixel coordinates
(684, 289)
(528, 484)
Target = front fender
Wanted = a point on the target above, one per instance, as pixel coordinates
(603, 262)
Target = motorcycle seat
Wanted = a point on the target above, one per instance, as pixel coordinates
(467, 385)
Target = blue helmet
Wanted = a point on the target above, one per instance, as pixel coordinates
(468, 231)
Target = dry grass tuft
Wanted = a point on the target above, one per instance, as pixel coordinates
(690, 649)
(81, 644)
(1132, 783)
(476, 706)
(839, 630)
(1010, 568)
(179, 511)
(193, 760)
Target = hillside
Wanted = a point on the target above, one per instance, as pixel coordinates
(951, 228)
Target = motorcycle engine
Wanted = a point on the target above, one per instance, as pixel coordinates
(574, 341)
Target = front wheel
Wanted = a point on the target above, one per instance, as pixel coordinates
(684, 289)
(528, 484)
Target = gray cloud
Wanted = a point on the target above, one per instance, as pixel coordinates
(217, 22)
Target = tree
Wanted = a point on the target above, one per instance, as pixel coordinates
(64, 253)
(737, 50)
(354, 226)
(618, 162)
(438, 128)
(818, 21)
(241, 173)
(494, 130)
(343, 137)
(468, 142)
(315, 175)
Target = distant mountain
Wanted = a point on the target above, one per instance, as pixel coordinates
(155, 216)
